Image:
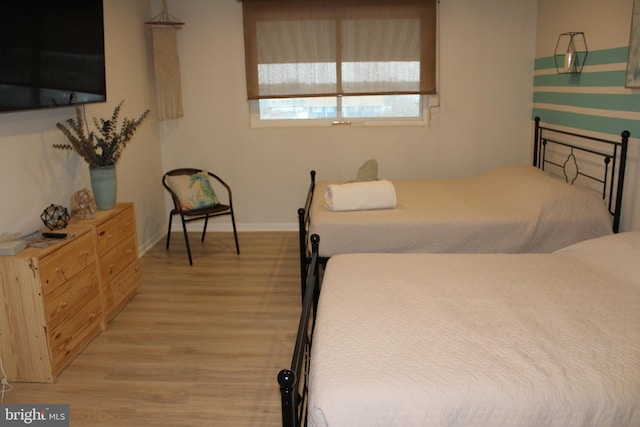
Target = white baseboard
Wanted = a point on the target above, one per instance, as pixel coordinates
(148, 242)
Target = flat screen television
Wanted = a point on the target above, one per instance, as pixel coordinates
(51, 53)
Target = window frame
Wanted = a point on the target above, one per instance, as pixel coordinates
(429, 102)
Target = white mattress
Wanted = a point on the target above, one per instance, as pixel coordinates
(480, 340)
(511, 209)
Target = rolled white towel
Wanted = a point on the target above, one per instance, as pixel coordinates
(355, 196)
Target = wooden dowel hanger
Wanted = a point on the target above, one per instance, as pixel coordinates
(164, 18)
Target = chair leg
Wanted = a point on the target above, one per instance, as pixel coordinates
(204, 230)
(169, 231)
(186, 238)
(235, 233)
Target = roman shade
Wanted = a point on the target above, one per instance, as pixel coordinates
(303, 48)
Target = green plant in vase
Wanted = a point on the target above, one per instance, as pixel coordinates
(100, 148)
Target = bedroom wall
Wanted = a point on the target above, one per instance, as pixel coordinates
(33, 175)
(595, 100)
(487, 54)
(484, 119)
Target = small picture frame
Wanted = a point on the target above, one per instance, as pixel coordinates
(83, 205)
(632, 79)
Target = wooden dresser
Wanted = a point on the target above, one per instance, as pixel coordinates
(55, 300)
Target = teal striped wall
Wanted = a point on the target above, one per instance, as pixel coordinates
(594, 100)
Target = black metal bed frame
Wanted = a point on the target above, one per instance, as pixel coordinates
(612, 153)
(293, 381)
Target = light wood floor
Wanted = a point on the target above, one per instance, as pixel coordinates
(200, 346)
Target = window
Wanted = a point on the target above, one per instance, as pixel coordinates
(339, 60)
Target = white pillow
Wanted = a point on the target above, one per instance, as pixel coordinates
(618, 253)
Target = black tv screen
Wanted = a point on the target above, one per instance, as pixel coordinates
(51, 53)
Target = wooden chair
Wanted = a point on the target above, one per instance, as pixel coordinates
(188, 215)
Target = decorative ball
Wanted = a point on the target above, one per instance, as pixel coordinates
(55, 217)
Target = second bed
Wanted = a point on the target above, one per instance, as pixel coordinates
(515, 209)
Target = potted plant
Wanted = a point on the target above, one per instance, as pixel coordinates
(101, 149)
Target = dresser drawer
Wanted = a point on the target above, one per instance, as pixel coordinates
(112, 232)
(66, 300)
(121, 255)
(61, 265)
(70, 337)
(121, 289)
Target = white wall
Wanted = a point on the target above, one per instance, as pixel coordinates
(34, 175)
(486, 71)
(606, 24)
(487, 52)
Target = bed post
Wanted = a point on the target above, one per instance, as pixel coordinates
(623, 160)
(302, 236)
(303, 224)
(536, 141)
(287, 380)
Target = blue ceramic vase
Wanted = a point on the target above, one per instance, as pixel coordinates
(103, 184)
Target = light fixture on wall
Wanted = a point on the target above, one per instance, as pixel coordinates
(571, 53)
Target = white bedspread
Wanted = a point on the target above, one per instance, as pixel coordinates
(511, 209)
(479, 340)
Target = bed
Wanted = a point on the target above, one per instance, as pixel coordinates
(511, 209)
(471, 339)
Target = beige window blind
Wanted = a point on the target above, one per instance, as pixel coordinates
(303, 48)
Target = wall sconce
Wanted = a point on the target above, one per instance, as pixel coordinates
(571, 53)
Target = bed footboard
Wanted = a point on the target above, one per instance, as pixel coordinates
(293, 381)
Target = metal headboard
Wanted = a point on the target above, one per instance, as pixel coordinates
(613, 155)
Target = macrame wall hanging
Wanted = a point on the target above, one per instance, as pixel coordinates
(166, 64)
